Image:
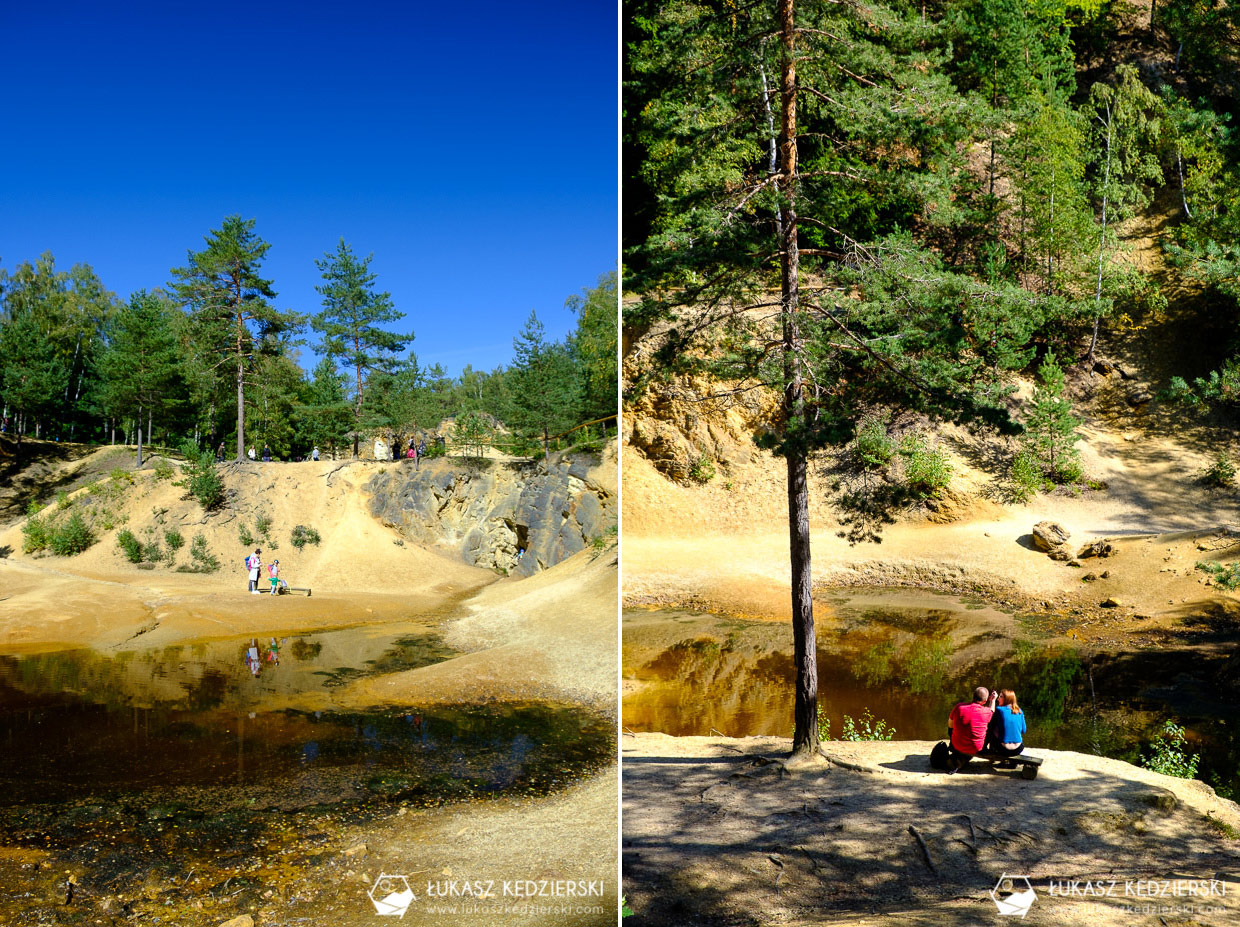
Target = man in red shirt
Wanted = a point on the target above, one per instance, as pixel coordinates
(968, 723)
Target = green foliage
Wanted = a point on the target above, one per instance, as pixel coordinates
(37, 534)
(927, 470)
(62, 500)
(1168, 756)
(1027, 478)
(174, 539)
(866, 728)
(1222, 472)
(472, 434)
(122, 477)
(1050, 429)
(262, 524)
(202, 560)
(546, 387)
(303, 535)
(243, 534)
(1226, 576)
(702, 470)
(71, 537)
(164, 470)
(200, 478)
(873, 448)
(130, 544)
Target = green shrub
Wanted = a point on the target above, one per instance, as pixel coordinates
(873, 448)
(130, 545)
(1225, 575)
(203, 560)
(34, 507)
(122, 477)
(927, 471)
(38, 535)
(1027, 479)
(702, 470)
(866, 728)
(262, 524)
(163, 469)
(62, 500)
(303, 535)
(201, 479)
(1220, 473)
(174, 540)
(73, 537)
(243, 533)
(1168, 756)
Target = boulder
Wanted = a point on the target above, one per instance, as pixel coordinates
(1062, 553)
(1139, 397)
(1111, 603)
(1097, 549)
(1048, 535)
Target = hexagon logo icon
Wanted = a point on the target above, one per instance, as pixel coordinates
(1013, 895)
(391, 895)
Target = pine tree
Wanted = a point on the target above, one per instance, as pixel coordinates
(1050, 427)
(141, 365)
(349, 322)
(231, 304)
(546, 388)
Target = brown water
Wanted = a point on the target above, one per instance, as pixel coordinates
(166, 768)
(906, 658)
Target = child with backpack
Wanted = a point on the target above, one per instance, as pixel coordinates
(273, 572)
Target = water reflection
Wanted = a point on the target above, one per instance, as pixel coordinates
(908, 658)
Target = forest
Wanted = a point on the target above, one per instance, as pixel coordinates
(886, 209)
(207, 356)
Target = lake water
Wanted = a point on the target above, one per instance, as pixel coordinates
(906, 657)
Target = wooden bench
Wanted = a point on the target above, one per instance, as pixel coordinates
(1028, 764)
(291, 589)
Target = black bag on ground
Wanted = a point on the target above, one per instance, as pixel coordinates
(939, 755)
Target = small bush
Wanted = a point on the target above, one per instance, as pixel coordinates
(38, 535)
(122, 477)
(203, 560)
(62, 500)
(1168, 756)
(174, 540)
(243, 533)
(95, 487)
(1220, 473)
(201, 479)
(303, 535)
(1027, 480)
(927, 471)
(702, 470)
(33, 508)
(262, 525)
(873, 448)
(130, 544)
(1226, 575)
(866, 728)
(164, 470)
(73, 537)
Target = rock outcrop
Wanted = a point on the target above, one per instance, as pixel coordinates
(516, 517)
(1047, 535)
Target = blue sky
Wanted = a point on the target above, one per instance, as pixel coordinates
(472, 147)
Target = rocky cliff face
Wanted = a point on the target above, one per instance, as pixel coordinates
(519, 518)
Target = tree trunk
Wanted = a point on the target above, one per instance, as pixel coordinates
(805, 712)
(240, 408)
(139, 421)
(357, 409)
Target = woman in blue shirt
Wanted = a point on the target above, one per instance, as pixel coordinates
(1007, 727)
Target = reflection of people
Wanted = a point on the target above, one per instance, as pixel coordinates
(1006, 733)
(968, 723)
(273, 655)
(252, 659)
